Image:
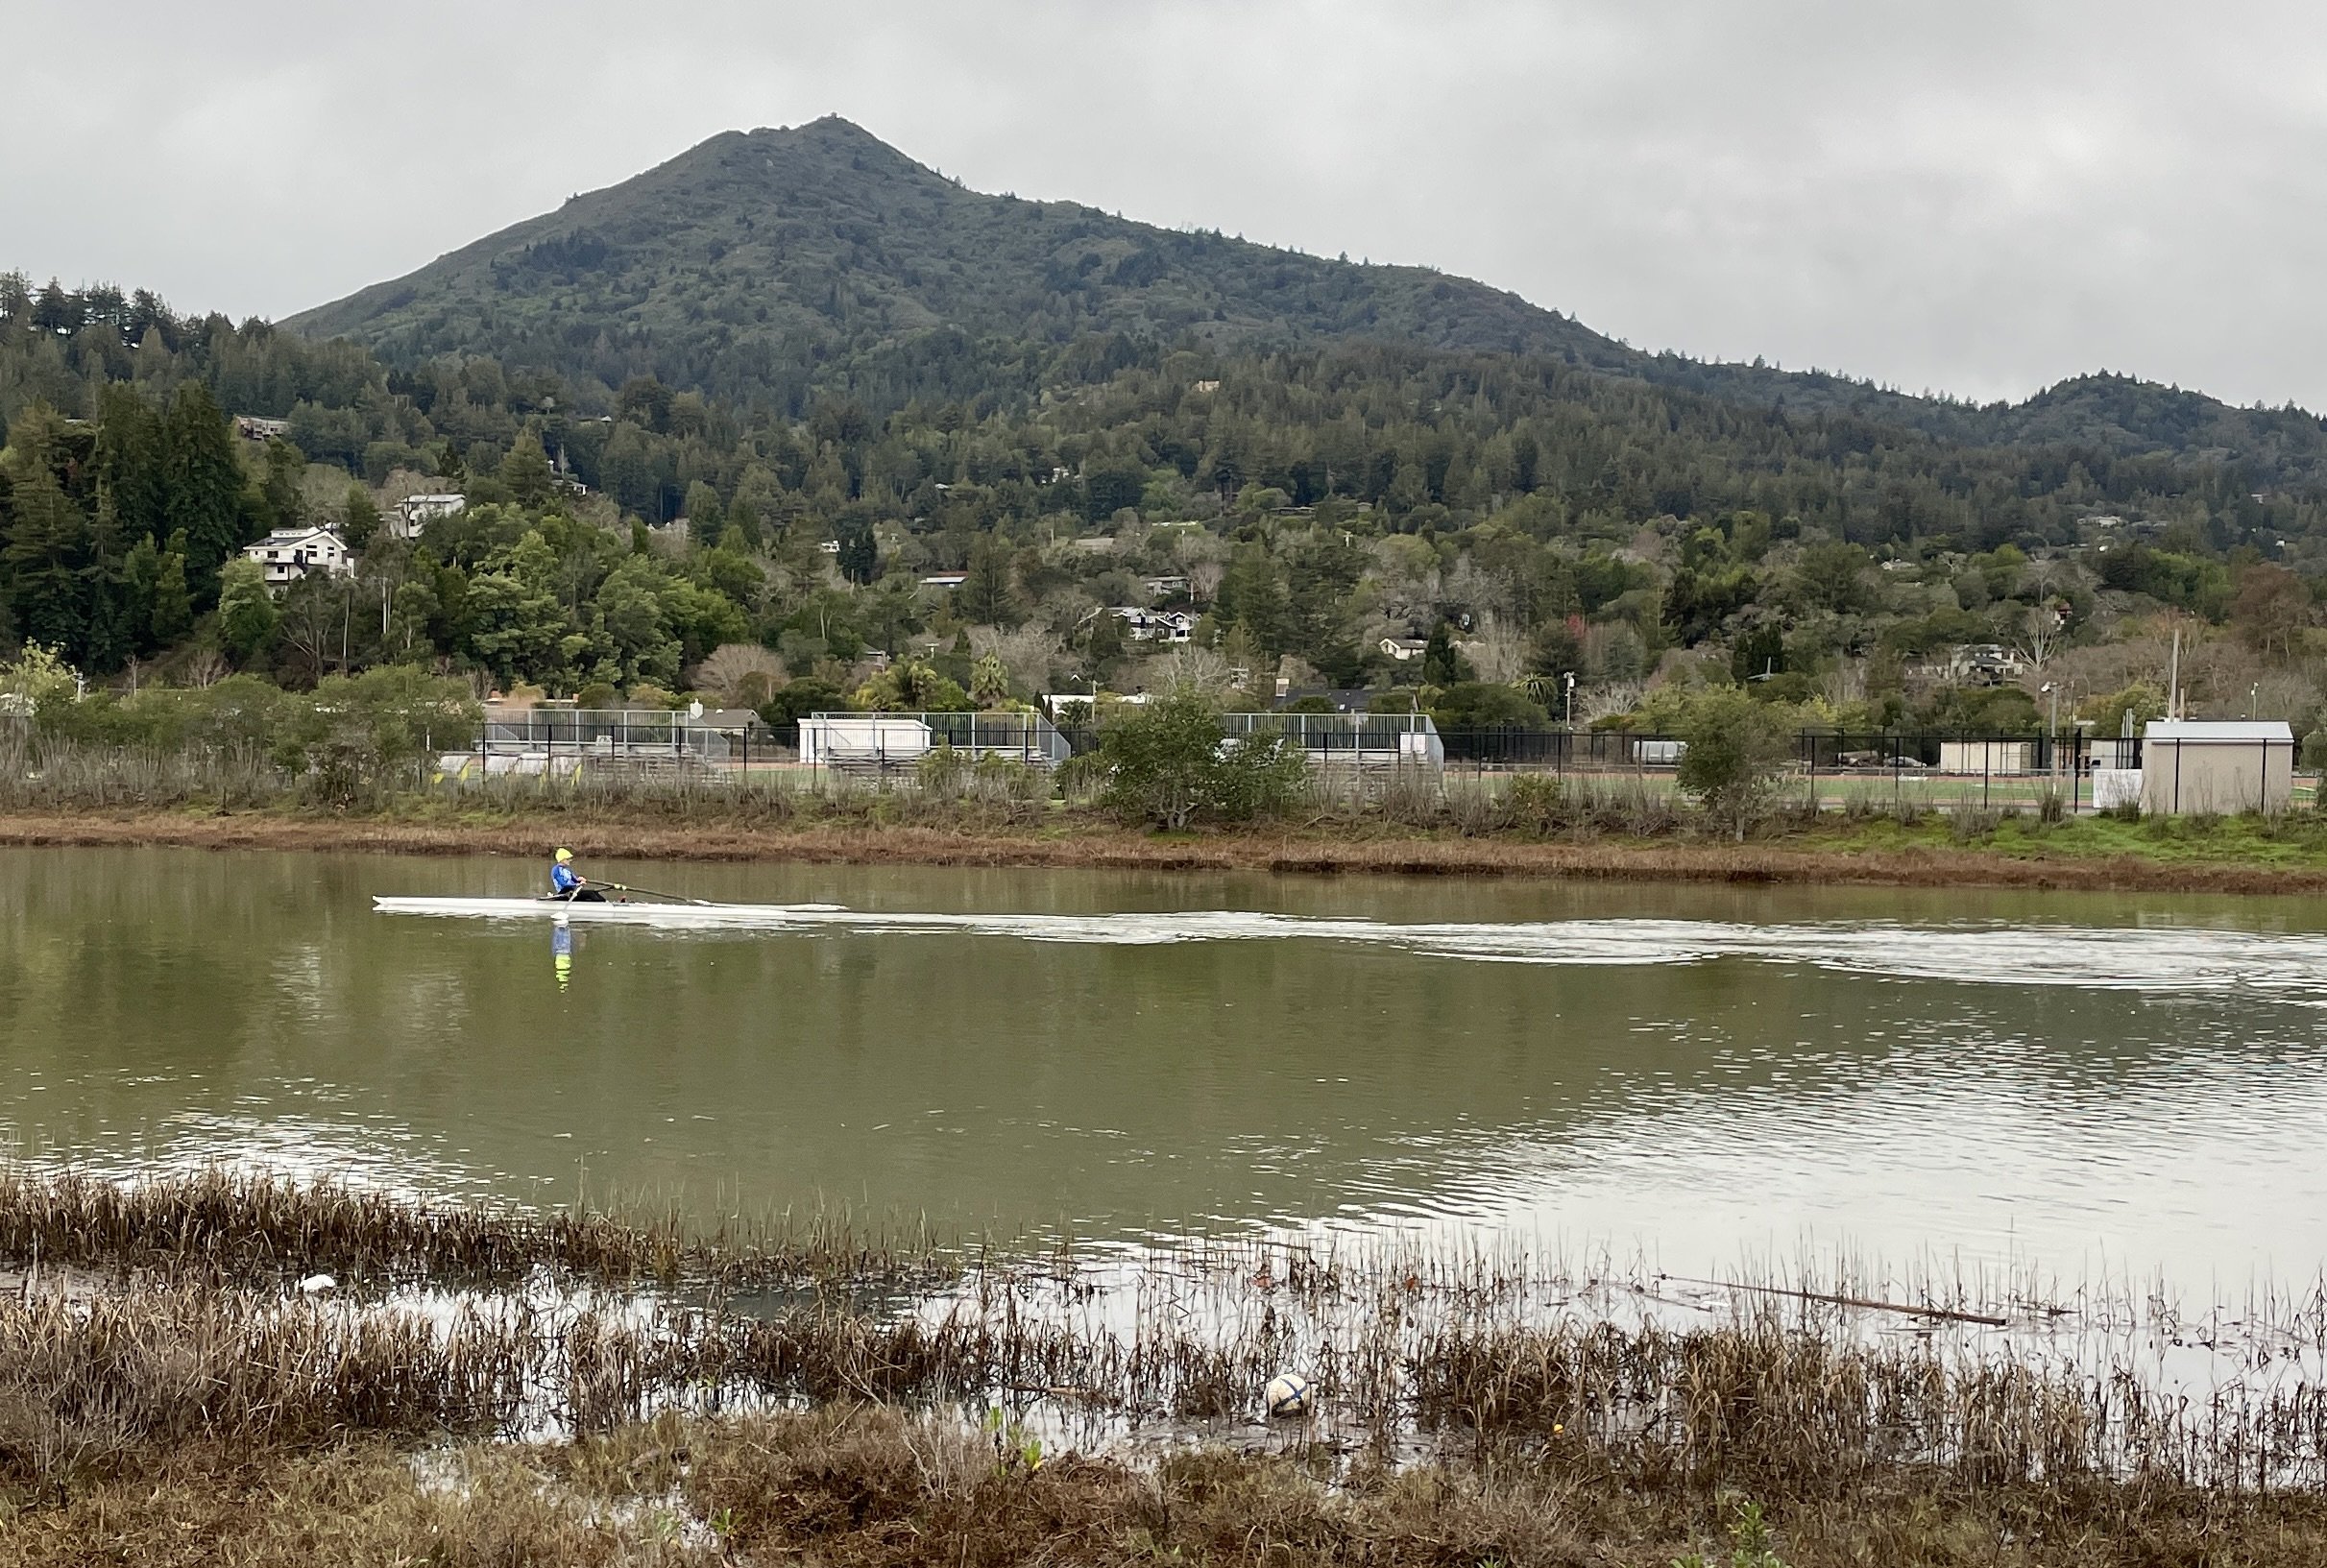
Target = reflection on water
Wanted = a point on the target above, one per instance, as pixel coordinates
(1694, 1073)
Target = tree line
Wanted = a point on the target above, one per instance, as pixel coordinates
(1531, 519)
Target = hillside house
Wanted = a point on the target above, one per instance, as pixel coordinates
(289, 554)
(416, 512)
(1154, 625)
(1404, 649)
(1978, 663)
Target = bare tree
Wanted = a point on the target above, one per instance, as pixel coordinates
(1204, 579)
(1468, 588)
(1192, 668)
(1610, 700)
(1498, 653)
(316, 616)
(2041, 634)
(1026, 653)
(737, 672)
(1201, 560)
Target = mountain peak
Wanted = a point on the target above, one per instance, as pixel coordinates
(759, 266)
(757, 258)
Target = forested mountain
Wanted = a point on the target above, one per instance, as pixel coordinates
(767, 267)
(758, 265)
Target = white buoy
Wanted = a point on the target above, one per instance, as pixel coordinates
(318, 1285)
(1287, 1396)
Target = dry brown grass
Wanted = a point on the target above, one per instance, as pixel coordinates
(871, 1487)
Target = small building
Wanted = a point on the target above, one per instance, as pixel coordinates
(1404, 649)
(289, 554)
(416, 512)
(2206, 765)
(252, 427)
(945, 579)
(1987, 759)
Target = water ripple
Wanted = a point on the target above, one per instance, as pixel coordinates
(2286, 965)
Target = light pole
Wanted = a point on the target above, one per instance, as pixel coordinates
(1571, 699)
(2052, 731)
(2253, 698)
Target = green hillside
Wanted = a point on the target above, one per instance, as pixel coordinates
(766, 268)
(757, 265)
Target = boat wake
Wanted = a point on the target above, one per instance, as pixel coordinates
(2288, 966)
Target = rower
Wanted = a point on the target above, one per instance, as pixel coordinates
(569, 886)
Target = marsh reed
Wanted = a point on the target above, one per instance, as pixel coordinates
(170, 1309)
(225, 1225)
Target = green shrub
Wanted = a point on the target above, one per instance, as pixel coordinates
(1171, 763)
(941, 771)
(1734, 749)
(1535, 800)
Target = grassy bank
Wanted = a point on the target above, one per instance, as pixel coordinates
(2230, 856)
(170, 1392)
(998, 812)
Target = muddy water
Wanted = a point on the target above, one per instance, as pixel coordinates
(1692, 1075)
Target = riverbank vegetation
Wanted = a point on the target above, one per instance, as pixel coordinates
(183, 1390)
(355, 763)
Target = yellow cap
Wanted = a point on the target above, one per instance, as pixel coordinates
(564, 854)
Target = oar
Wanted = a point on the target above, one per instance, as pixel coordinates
(648, 892)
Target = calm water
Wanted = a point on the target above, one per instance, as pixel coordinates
(1694, 1075)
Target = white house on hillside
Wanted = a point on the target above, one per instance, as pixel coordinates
(1155, 625)
(416, 512)
(289, 554)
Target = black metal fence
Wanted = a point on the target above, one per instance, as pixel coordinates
(1620, 751)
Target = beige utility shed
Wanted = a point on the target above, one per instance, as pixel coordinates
(2195, 765)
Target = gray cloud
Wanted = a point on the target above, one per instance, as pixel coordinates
(1977, 198)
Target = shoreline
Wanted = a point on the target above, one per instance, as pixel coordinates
(183, 1388)
(1085, 846)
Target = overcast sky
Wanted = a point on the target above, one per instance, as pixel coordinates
(1959, 195)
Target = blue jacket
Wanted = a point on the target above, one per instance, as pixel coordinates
(563, 879)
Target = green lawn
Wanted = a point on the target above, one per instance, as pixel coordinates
(2297, 840)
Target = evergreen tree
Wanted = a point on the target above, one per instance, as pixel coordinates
(985, 594)
(743, 522)
(1252, 596)
(204, 495)
(47, 551)
(526, 471)
(359, 519)
(706, 521)
(1442, 664)
(173, 606)
(859, 557)
(132, 460)
(285, 467)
